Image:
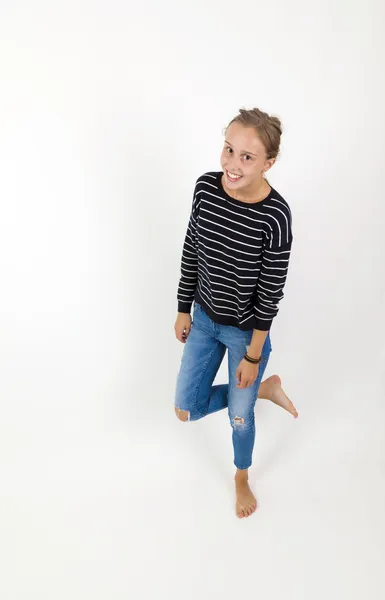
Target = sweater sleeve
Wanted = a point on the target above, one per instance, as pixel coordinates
(274, 269)
(189, 263)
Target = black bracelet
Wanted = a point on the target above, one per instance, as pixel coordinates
(254, 361)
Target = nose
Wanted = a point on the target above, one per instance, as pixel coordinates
(234, 166)
(230, 166)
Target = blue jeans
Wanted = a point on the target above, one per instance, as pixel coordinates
(202, 356)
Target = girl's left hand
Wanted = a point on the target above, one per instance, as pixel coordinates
(246, 374)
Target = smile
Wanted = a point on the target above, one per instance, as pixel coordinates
(233, 176)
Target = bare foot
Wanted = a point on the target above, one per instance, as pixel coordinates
(246, 503)
(271, 389)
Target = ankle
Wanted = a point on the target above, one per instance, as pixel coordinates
(241, 476)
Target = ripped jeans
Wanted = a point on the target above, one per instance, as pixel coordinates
(202, 356)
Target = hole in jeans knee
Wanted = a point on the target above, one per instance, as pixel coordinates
(183, 415)
(238, 421)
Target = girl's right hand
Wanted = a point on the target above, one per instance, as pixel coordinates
(182, 327)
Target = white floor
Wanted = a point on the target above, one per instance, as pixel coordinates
(138, 505)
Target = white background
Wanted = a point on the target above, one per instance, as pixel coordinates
(109, 113)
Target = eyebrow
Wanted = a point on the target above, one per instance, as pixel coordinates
(244, 151)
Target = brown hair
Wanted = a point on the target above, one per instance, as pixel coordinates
(269, 129)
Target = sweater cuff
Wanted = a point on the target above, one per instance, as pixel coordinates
(262, 325)
(184, 307)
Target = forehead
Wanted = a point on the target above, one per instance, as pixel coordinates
(244, 138)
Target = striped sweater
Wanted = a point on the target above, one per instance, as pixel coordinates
(235, 256)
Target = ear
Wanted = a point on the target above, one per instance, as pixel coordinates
(268, 164)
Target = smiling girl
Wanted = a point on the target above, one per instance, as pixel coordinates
(234, 266)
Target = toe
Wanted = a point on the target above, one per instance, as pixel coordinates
(292, 409)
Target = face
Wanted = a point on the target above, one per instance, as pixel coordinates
(243, 158)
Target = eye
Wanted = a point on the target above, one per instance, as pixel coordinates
(247, 157)
(228, 149)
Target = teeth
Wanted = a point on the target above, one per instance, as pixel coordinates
(233, 176)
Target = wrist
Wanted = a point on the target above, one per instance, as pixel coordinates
(256, 344)
(252, 360)
(255, 351)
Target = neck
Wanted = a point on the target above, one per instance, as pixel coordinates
(259, 191)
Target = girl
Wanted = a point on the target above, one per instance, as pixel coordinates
(234, 265)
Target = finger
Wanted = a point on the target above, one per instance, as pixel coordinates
(241, 380)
